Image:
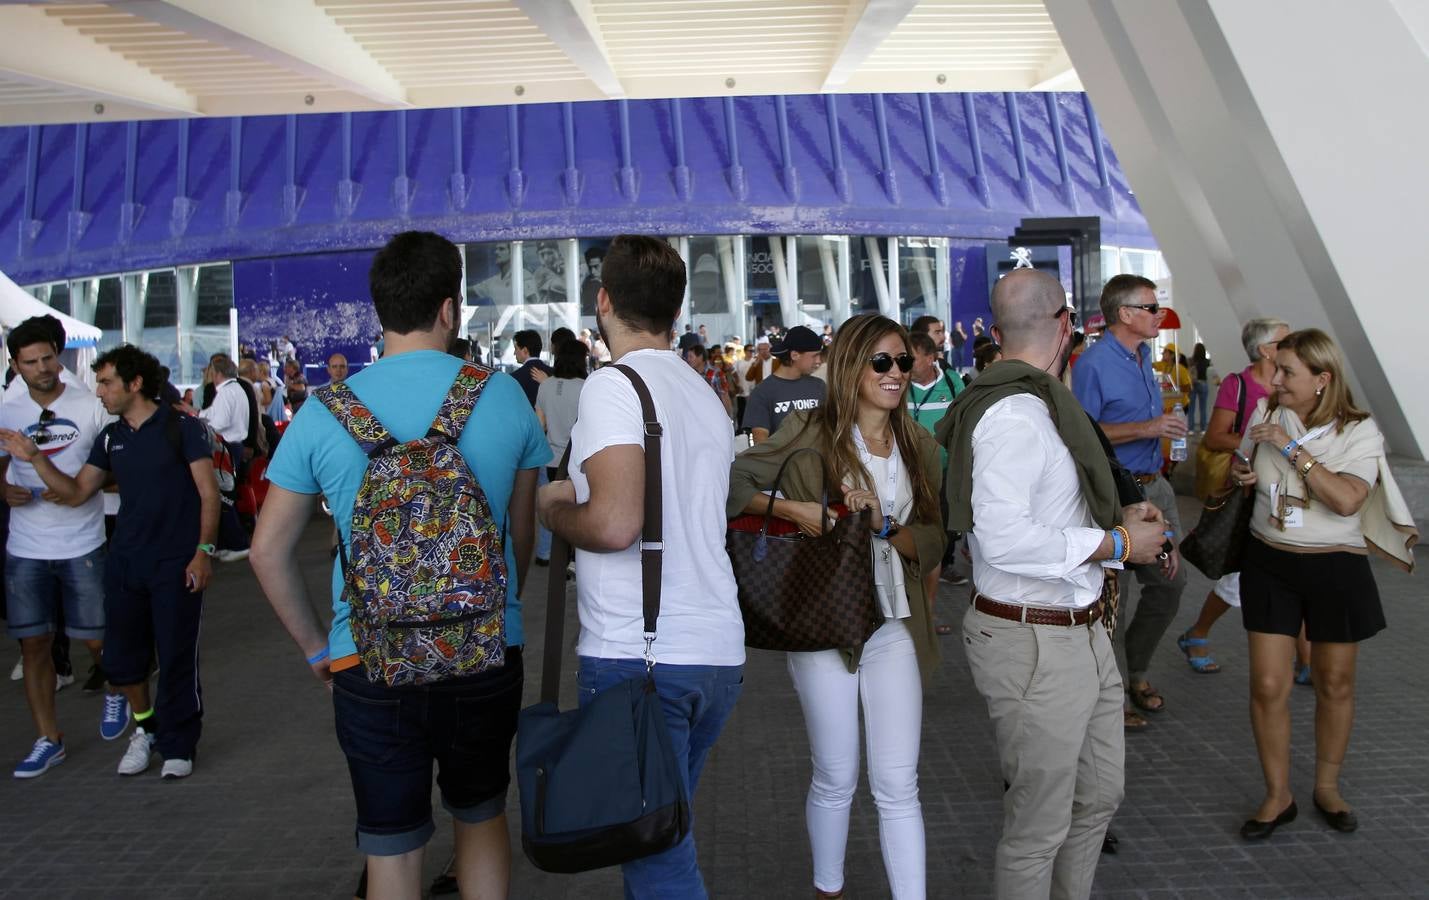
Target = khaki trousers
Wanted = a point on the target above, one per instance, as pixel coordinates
(1055, 697)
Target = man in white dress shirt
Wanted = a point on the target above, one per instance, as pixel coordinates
(229, 416)
(1028, 476)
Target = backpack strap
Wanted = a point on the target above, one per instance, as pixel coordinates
(359, 422)
(460, 401)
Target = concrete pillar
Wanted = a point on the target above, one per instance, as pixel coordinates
(1276, 151)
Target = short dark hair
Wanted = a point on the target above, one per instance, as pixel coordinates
(596, 252)
(460, 348)
(922, 342)
(44, 329)
(645, 279)
(981, 341)
(923, 324)
(129, 363)
(982, 357)
(571, 360)
(528, 340)
(411, 277)
(559, 338)
(696, 350)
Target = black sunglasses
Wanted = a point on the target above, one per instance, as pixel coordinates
(42, 434)
(884, 362)
(1152, 308)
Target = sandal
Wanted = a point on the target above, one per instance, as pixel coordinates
(1205, 665)
(1133, 720)
(1302, 674)
(1147, 698)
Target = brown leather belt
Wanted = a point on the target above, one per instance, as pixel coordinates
(1144, 480)
(1037, 615)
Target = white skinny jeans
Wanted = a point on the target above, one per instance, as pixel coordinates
(891, 693)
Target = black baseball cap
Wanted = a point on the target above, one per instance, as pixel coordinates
(799, 338)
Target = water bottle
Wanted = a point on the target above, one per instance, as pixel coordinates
(1178, 445)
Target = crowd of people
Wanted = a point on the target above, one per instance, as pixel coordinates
(1053, 474)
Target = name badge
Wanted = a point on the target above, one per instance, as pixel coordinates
(1294, 517)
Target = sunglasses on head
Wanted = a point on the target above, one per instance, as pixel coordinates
(884, 362)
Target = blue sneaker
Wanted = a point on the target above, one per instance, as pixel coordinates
(115, 720)
(45, 755)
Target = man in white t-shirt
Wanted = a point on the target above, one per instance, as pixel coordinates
(54, 550)
(700, 649)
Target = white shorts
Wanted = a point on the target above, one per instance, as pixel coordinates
(1227, 587)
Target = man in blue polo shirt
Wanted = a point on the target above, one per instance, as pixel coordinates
(1115, 383)
(464, 726)
(158, 563)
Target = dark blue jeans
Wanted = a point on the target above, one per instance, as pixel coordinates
(697, 702)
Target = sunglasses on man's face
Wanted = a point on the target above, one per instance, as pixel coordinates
(1152, 308)
(882, 363)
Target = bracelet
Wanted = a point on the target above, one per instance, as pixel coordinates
(317, 657)
(1126, 544)
(883, 532)
(1305, 469)
(1285, 451)
(1296, 455)
(1116, 545)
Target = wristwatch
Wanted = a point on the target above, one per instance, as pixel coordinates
(207, 549)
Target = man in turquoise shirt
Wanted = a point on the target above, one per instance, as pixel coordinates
(392, 736)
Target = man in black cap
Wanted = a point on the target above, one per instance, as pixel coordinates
(791, 389)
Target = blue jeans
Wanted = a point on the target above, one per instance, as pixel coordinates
(1200, 390)
(38, 590)
(697, 702)
(543, 537)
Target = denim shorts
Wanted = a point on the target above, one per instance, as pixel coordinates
(34, 588)
(392, 736)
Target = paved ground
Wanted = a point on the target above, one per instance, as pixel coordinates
(268, 811)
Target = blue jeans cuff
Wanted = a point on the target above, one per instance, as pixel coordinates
(395, 843)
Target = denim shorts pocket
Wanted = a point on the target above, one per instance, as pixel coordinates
(369, 730)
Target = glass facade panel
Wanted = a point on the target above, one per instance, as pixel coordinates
(109, 312)
(213, 298)
(918, 263)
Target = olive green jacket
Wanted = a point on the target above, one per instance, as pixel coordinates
(754, 470)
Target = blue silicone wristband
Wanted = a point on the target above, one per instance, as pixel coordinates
(1289, 448)
(1116, 545)
(887, 524)
(317, 657)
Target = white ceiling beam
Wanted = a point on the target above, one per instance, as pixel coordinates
(1056, 74)
(297, 35)
(44, 51)
(572, 26)
(874, 24)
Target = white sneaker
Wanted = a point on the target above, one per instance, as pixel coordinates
(231, 555)
(63, 681)
(18, 673)
(136, 756)
(174, 769)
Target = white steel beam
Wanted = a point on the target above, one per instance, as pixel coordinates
(297, 35)
(44, 51)
(572, 26)
(874, 24)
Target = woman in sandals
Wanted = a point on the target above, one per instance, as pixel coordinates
(880, 458)
(1323, 497)
(1237, 398)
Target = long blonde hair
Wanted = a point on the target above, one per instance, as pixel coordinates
(847, 357)
(1318, 352)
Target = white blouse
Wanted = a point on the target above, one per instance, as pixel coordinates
(895, 498)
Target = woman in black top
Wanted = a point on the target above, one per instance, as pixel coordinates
(1200, 389)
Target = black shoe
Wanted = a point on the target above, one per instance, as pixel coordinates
(542, 562)
(1345, 820)
(1255, 829)
(1109, 842)
(95, 682)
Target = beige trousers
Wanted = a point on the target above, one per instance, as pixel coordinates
(1055, 698)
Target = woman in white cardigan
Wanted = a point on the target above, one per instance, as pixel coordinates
(1321, 485)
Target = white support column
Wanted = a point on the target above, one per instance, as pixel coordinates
(84, 299)
(570, 311)
(186, 299)
(845, 277)
(784, 282)
(682, 246)
(134, 289)
(1277, 184)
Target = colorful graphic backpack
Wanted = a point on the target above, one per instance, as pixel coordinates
(426, 579)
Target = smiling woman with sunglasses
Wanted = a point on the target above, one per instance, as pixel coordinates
(884, 462)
